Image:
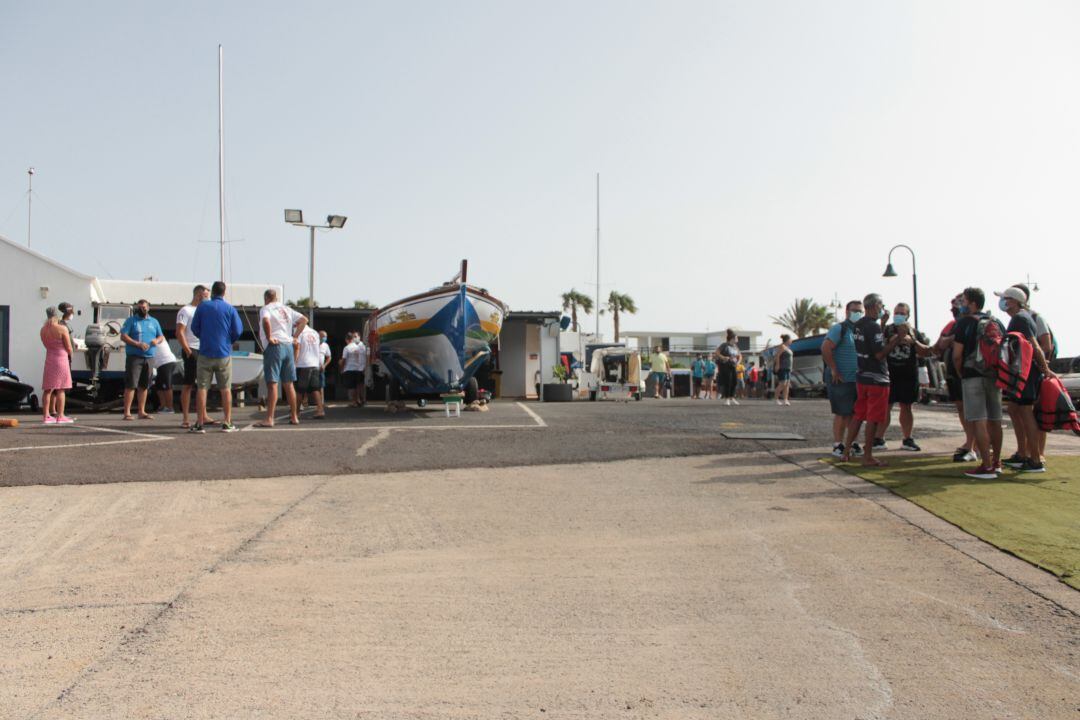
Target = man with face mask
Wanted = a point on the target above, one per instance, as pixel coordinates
(1047, 342)
(982, 398)
(944, 348)
(903, 377)
(1022, 409)
(327, 356)
(841, 365)
(142, 334)
(872, 376)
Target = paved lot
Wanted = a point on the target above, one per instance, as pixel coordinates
(102, 448)
(732, 579)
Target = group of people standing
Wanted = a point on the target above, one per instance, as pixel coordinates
(873, 364)
(295, 360)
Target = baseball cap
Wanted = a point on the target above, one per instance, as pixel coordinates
(1014, 293)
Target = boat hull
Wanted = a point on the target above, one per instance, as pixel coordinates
(434, 343)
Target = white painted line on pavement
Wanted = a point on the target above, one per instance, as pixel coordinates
(84, 444)
(539, 420)
(360, 428)
(367, 446)
(114, 430)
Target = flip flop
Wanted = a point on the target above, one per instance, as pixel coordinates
(294, 422)
(185, 426)
(875, 463)
(318, 417)
(128, 417)
(262, 424)
(146, 417)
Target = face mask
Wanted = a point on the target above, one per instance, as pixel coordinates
(1003, 304)
(855, 316)
(899, 319)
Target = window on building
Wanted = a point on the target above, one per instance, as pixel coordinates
(744, 342)
(665, 344)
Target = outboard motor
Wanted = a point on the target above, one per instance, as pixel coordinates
(95, 355)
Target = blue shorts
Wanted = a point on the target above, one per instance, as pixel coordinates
(278, 364)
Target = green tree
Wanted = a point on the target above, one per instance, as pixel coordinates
(805, 317)
(364, 305)
(301, 302)
(617, 304)
(573, 300)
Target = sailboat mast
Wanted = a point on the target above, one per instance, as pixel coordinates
(221, 162)
(597, 258)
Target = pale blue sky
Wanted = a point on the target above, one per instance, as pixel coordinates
(749, 152)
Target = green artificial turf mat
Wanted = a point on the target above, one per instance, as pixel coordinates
(1033, 516)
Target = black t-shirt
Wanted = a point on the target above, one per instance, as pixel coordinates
(869, 341)
(1023, 323)
(964, 332)
(903, 360)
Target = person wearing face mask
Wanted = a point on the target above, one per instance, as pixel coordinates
(326, 356)
(944, 348)
(903, 377)
(1048, 343)
(982, 398)
(142, 334)
(1021, 409)
(841, 365)
(872, 376)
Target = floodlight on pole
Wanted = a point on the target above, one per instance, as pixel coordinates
(333, 222)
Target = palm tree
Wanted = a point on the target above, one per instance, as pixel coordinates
(571, 301)
(805, 317)
(618, 303)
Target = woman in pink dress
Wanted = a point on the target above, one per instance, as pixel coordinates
(57, 378)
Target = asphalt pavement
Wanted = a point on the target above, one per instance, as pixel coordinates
(104, 448)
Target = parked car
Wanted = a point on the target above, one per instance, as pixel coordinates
(1068, 369)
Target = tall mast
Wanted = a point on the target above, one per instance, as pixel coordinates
(597, 258)
(221, 162)
(29, 203)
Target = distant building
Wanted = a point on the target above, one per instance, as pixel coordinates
(681, 347)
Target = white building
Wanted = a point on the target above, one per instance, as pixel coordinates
(683, 346)
(33, 282)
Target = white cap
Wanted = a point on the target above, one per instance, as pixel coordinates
(1014, 293)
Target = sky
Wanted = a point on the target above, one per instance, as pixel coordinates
(749, 153)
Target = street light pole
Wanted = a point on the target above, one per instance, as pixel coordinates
(29, 203)
(889, 272)
(311, 280)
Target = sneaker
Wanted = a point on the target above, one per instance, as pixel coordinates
(727, 402)
(962, 455)
(787, 402)
(910, 444)
(981, 473)
(838, 450)
(49, 421)
(1033, 466)
(197, 428)
(779, 402)
(64, 420)
(734, 402)
(1016, 462)
(856, 450)
(880, 444)
(998, 468)
(228, 427)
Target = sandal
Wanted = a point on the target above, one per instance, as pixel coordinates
(263, 424)
(128, 417)
(185, 425)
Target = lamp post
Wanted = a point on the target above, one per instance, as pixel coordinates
(889, 272)
(333, 222)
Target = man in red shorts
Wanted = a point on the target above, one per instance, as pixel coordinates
(872, 376)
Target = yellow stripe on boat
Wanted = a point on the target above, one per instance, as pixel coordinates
(399, 326)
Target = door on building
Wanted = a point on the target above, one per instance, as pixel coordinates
(5, 325)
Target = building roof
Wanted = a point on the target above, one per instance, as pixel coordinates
(38, 256)
(678, 333)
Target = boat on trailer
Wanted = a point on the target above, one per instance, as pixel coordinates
(433, 343)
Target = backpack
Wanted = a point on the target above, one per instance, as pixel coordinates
(1013, 363)
(1055, 409)
(988, 336)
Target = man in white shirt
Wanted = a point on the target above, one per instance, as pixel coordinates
(278, 327)
(163, 364)
(353, 364)
(189, 348)
(308, 356)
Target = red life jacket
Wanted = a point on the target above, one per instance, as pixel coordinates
(1055, 409)
(1013, 364)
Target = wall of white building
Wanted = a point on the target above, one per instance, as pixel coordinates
(30, 283)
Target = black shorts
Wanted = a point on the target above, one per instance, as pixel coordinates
(955, 387)
(191, 364)
(164, 379)
(352, 379)
(904, 390)
(1031, 391)
(136, 372)
(308, 380)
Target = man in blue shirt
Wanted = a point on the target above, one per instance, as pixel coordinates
(217, 325)
(697, 371)
(841, 363)
(142, 334)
